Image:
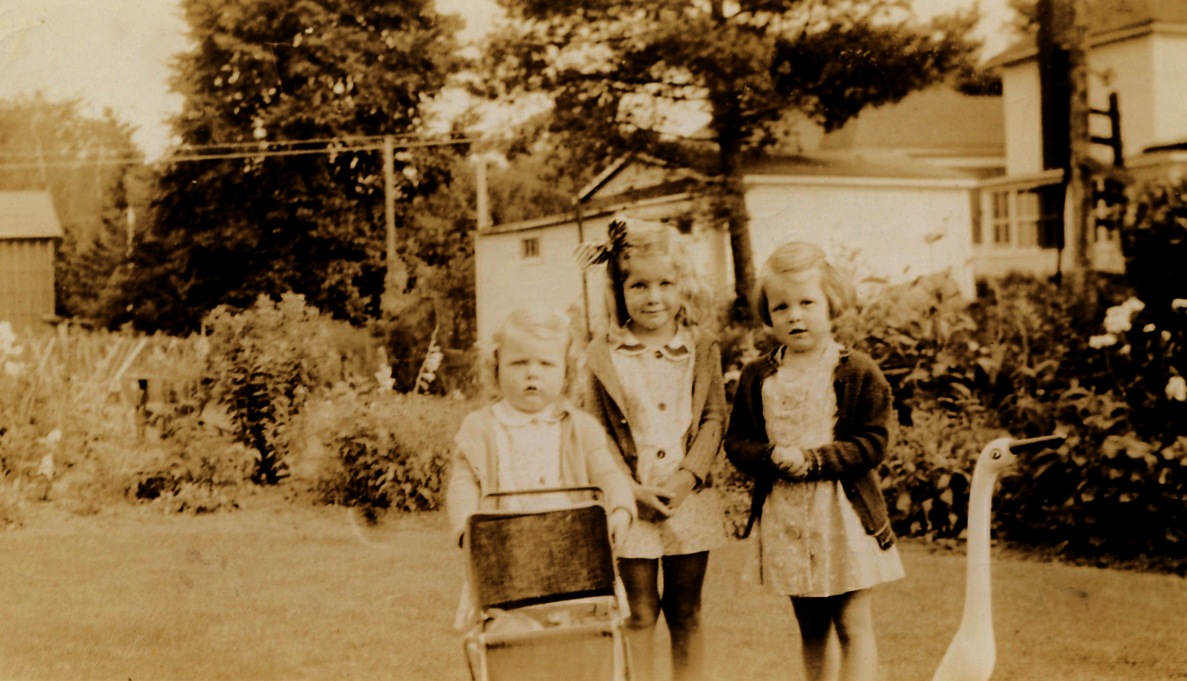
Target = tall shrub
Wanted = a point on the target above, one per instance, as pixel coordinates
(264, 361)
(1154, 242)
(388, 451)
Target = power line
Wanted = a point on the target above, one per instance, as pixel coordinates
(183, 158)
(262, 144)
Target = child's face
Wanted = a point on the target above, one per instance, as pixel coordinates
(652, 297)
(531, 370)
(799, 311)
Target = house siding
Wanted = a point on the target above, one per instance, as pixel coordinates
(505, 279)
(892, 233)
(1168, 103)
(26, 280)
(1144, 72)
(1022, 106)
(1129, 68)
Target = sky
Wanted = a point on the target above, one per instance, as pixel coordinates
(116, 53)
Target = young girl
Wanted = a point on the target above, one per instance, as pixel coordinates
(655, 384)
(809, 423)
(531, 437)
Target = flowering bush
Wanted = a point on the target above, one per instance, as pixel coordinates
(1118, 487)
(1154, 242)
(263, 363)
(387, 451)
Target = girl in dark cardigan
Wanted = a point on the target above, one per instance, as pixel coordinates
(809, 423)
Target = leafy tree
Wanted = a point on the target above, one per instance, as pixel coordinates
(89, 165)
(226, 230)
(745, 63)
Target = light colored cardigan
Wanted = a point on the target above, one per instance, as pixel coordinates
(585, 461)
(605, 400)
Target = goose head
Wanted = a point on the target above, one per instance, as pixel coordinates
(1001, 453)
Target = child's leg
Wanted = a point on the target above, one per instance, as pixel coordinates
(855, 629)
(640, 577)
(683, 578)
(815, 617)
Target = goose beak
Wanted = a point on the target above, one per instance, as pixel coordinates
(1035, 444)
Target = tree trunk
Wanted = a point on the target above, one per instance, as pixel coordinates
(738, 219)
(732, 204)
(727, 122)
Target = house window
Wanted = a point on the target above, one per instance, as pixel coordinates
(1018, 219)
(1001, 218)
(531, 248)
(1027, 220)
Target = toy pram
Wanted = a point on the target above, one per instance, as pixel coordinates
(543, 585)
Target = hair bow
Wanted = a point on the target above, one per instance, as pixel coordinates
(596, 253)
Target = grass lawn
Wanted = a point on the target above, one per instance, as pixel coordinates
(283, 592)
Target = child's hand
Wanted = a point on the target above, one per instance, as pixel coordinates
(790, 461)
(620, 522)
(652, 502)
(679, 486)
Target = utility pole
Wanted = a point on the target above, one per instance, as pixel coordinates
(1080, 181)
(396, 279)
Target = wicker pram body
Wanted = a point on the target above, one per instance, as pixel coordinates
(543, 585)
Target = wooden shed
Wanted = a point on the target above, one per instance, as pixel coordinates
(28, 228)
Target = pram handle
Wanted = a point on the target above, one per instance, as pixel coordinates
(593, 491)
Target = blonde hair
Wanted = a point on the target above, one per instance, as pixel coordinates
(544, 324)
(797, 257)
(652, 239)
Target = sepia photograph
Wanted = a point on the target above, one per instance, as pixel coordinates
(531, 340)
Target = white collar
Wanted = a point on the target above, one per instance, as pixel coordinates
(624, 340)
(508, 415)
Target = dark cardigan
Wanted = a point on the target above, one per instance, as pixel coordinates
(859, 438)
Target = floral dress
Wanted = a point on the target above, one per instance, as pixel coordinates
(812, 541)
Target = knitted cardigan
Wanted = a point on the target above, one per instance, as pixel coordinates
(585, 460)
(859, 438)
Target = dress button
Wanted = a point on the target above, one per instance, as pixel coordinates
(660, 454)
(662, 406)
(659, 354)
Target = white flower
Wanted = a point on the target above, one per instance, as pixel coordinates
(1117, 319)
(433, 361)
(1176, 389)
(52, 438)
(1133, 305)
(384, 377)
(1102, 341)
(46, 467)
(1178, 304)
(8, 340)
(1149, 328)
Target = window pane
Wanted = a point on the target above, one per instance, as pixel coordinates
(531, 248)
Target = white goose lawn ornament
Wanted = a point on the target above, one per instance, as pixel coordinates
(972, 653)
